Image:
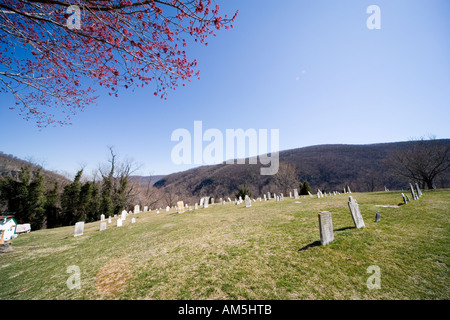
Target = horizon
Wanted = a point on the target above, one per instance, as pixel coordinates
(71, 175)
(313, 70)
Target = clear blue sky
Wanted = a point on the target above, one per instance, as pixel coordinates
(311, 69)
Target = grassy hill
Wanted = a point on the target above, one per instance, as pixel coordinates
(267, 251)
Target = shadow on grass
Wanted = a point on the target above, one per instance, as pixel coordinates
(345, 228)
(313, 244)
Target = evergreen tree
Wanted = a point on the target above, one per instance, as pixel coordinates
(70, 201)
(305, 188)
(52, 208)
(242, 192)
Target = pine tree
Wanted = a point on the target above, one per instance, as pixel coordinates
(305, 188)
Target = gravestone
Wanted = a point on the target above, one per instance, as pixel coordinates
(102, 226)
(326, 227)
(202, 200)
(229, 200)
(277, 198)
(404, 199)
(79, 229)
(268, 196)
(377, 216)
(167, 209)
(109, 220)
(310, 195)
(290, 194)
(136, 209)
(356, 213)
(180, 207)
(102, 217)
(133, 220)
(124, 215)
(348, 189)
(145, 208)
(196, 206)
(205, 204)
(413, 194)
(212, 200)
(419, 193)
(248, 202)
(265, 197)
(407, 198)
(119, 222)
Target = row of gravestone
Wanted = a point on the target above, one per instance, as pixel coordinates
(415, 194)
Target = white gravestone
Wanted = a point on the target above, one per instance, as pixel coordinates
(133, 220)
(136, 209)
(102, 217)
(79, 229)
(248, 202)
(326, 227)
(205, 203)
(180, 207)
(119, 222)
(356, 213)
(102, 225)
(109, 220)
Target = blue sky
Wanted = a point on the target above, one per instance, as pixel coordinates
(311, 69)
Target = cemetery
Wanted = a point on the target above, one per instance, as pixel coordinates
(281, 248)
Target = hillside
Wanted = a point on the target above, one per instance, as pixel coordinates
(10, 167)
(327, 167)
(270, 251)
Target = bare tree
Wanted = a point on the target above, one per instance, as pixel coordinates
(422, 161)
(286, 178)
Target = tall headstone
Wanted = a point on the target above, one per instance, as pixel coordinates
(205, 204)
(79, 229)
(356, 213)
(180, 207)
(326, 227)
(145, 208)
(248, 202)
(212, 200)
(268, 196)
(124, 215)
(102, 225)
(290, 194)
(265, 197)
(419, 193)
(202, 201)
(102, 217)
(109, 219)
(310, 195)
(136, 209)
(413, 194)
(196, 206)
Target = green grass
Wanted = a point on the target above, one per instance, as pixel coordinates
(268, 251)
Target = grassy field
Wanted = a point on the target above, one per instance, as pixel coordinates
(268, 251)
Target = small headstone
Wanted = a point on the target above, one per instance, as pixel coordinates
(268, 196)
(119, 222)
(265, 197)
(133, 220)
(79, 229)
(212, 200)
(326, 227)
(102, 226)
(124, 215)
(167, 209)
(356, 213)
(377, 216)
(136, 209)
(145, 208)
(102, 217)
(109, 220)
(202, 200)
(196, 206)
(404, 199)
(310, 195)
(248, 202)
